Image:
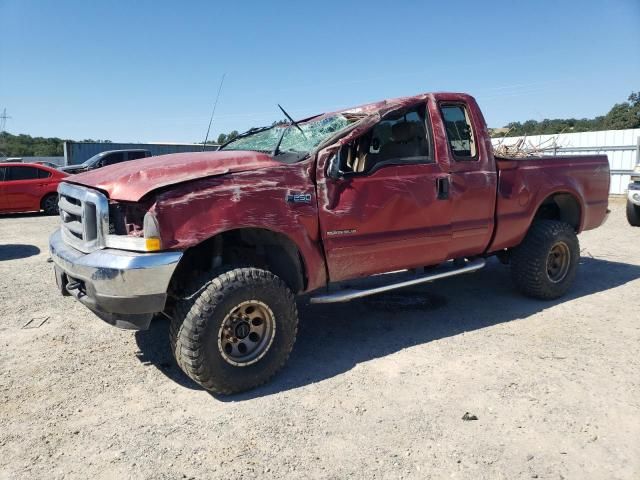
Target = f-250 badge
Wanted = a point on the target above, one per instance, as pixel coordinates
(296, 197)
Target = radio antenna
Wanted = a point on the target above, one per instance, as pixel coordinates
(215, 104)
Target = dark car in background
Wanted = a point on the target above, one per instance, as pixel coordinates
(109, 157)
(49, 164)
(29, 187)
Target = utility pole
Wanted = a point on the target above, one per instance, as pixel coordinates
(3, 124)
(3, 120)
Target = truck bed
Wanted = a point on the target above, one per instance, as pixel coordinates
(524, 184)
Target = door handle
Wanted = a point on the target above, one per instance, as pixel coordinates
(442, 184)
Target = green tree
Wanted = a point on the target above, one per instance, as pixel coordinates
(232, 134)
(224, 138)
(624, 115)
(27, 146)
(621, 116)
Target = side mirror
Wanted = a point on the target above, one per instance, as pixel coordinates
(333, 166)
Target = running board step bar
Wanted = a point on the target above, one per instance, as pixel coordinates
(350, 294)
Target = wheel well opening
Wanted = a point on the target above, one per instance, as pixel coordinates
(248, 246)
(563, 207)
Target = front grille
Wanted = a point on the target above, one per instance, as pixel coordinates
(84, 214)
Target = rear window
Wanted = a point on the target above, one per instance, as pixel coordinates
(459, 131)
(22, 173)
(137, 155)
(2, 173)
(42, 173)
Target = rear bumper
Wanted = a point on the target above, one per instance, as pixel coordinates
(123, 288)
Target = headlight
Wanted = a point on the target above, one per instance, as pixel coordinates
(149, 241)
(151, 229)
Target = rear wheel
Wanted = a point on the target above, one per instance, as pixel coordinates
(544, 264)
(236, 330)
(50, 204)
(633, 214)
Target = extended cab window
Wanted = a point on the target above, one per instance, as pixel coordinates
(459, 131)
(401, 137)
(22, 173)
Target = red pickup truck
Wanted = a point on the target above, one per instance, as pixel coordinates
(222, 242)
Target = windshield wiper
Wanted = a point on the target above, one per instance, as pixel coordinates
(277, 149)
(293, 122)
(284, 130)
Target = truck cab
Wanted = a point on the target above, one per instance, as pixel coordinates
(419, 201)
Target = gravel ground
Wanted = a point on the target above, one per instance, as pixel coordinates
(374, 389)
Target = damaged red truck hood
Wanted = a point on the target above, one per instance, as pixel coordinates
(130, 181)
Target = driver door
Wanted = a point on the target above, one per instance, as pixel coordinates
(390, 210)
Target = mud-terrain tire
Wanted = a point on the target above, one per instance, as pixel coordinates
(225, 311)
(633, 214)
(49, 204)
(544, 265)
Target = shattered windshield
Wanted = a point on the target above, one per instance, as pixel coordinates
(315, 131)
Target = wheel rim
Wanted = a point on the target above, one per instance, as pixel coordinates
(246, 333)
(558, 262)
(50, 204)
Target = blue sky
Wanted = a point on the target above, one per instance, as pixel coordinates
(149, 70)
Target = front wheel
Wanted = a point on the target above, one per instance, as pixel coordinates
(236, 331)
(633, 214)
(544, 264)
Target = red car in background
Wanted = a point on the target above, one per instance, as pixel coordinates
(28, 187)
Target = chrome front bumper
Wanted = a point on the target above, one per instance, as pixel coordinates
(123, 288)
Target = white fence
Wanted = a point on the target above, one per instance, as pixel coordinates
(622, 147)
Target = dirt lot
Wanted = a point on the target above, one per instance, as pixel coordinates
(374, 389)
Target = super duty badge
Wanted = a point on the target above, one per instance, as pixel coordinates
(296, 197)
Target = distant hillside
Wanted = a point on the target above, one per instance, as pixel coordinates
(621, 116)
(27, 146)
